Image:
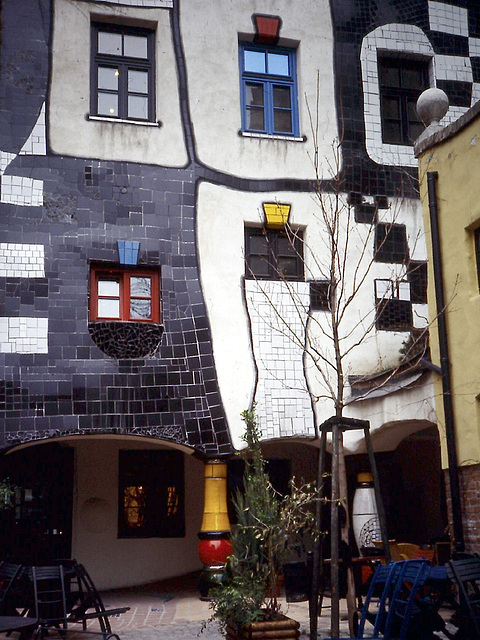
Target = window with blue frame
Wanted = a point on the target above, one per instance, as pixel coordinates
(268, 90)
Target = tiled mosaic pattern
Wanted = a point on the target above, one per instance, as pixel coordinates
(448, 18)
(36, 143)
(21, 260)
(69, 385)
(446, 32)
(126, 340)
(77, 209)
(23, 335)
(284, 406)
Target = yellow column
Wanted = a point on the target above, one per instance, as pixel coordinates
(214, 546)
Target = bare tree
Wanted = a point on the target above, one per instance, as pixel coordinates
(340, 261)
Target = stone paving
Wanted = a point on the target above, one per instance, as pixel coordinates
(172, 610)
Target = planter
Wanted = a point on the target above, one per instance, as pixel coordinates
(282, 628)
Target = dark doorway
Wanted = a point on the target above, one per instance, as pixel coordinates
(37, 527)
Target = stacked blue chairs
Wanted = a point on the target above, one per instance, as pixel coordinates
(393, 597)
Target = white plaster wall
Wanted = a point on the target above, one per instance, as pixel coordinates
(393, 417)
(210, 38)
(116, 562)
(71, 133)
(222, 216)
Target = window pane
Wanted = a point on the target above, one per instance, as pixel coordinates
(140, 287)
(288, 266)
(258, 245)
(414, 130)
(137, 81)
(258, 267)
(390, 76)
(254, 94)
(255, 119)
(391, 107)
(254, 61)
(110, 43)
(110, 288)
(281, 96)
(135, 46)
(284, 246)
(138, 107)
(108, 78)
(108, 308)
(107, 104)
(140, 309)
(413, 79)
(278, 64)
(282, 121)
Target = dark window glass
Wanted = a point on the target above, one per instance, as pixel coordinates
(273, 255)
(320, 295)
(268, 90)
(122, 72)
(151, 494)
(402, 80)
(417, 276)
(393, 305)
(391, 243)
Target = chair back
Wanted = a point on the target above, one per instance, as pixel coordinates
(50, 598)
(407, 591)
(91, 598)
(466, 573)
(378, 597)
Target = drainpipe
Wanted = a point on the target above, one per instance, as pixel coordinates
(432, 177)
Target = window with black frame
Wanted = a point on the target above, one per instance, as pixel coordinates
(151, 494)
(272, 254)
(122, 72)
(393, 305)
(402, 80)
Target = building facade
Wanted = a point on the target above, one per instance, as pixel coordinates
(145, 290)
(451, 158)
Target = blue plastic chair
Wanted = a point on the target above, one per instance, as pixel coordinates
(391, 610)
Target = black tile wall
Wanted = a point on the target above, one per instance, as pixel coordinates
(89, 204)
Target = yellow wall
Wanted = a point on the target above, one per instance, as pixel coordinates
(457, 161)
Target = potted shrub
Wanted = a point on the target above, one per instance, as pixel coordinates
(269, 527)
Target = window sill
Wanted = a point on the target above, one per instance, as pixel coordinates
(271, 136)
(121, 121)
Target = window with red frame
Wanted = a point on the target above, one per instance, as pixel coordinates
(121, 294)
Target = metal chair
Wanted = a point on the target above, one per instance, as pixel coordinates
(466, 573)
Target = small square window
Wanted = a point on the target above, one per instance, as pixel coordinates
(121, 294)
(391, 243)
(268, 90)
(320, 295)
(273, 254)
(122, 80)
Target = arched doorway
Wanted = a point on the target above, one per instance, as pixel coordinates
(127, 507)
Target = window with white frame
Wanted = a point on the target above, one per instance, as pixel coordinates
(268, 90)
(122, 72)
